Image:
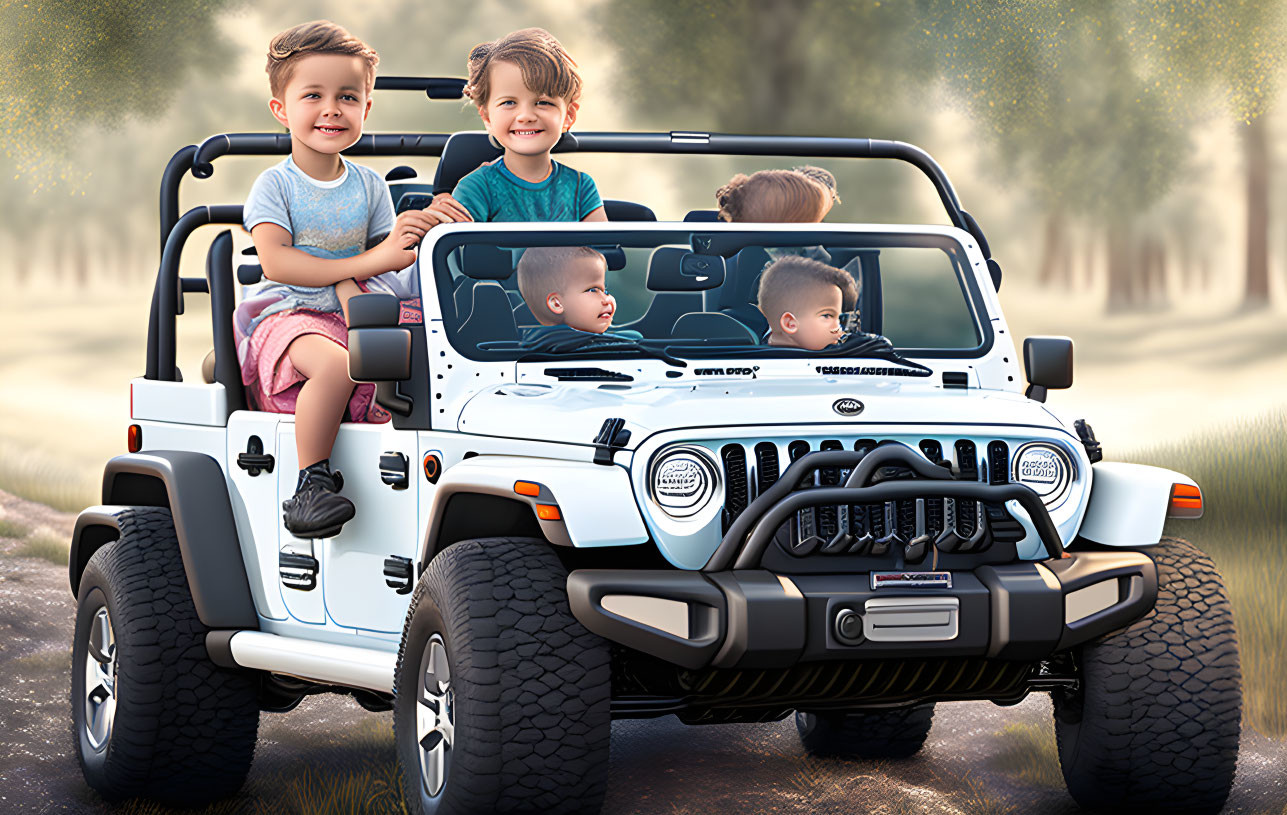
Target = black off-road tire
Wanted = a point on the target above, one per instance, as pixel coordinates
(184, 728)
(530, 687)
(897, 733)
(1155, 725)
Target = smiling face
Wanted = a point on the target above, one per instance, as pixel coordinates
(582, 301)
(523, 121)
(323, 105)
(814, 322)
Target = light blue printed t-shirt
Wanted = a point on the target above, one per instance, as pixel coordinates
(493, 193)
(327, 219)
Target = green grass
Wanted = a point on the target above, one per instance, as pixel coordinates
(12, 529)
(45, 547)
(40, 478)
(1242, 473)
(1030, 754)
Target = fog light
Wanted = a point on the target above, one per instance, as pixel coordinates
(849, 626)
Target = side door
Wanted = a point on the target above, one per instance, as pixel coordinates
(381, 468)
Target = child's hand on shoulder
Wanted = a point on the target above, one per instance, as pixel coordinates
(447, 210)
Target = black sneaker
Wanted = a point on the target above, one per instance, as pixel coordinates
(317, 510)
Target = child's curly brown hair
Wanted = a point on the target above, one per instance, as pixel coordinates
(777, 196)
(546, 65)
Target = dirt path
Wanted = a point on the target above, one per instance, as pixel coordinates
(328, 755)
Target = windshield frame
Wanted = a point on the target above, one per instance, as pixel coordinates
(960, 247)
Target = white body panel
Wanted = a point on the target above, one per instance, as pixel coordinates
(188, 403)
(573, 412)
(1128, 503)
(595, 501)
(256, 509)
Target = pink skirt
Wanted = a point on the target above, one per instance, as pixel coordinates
(273, 383)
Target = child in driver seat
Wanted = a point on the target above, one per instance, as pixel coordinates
(564, 287)
(803, 299)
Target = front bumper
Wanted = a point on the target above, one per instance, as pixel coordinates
(753, 618)
(750, 608)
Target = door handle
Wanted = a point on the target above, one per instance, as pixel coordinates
(255, 459)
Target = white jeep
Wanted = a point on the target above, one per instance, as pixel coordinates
(558, 530)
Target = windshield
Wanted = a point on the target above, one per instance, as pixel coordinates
(674, 295)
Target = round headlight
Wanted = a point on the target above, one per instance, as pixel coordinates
(1045, 468)
(683, 482)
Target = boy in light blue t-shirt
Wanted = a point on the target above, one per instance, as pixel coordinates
(526, 88)
(311, 218)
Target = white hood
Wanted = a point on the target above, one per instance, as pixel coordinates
(573, 412)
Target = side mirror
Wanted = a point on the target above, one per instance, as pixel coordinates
(1048, 362)
(379, 349)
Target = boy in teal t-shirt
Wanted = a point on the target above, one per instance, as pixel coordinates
(526, 88)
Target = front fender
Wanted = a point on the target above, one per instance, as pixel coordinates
(596, 504)
(1128, 503)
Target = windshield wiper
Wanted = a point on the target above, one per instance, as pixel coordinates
(559, 344)
(878, 346)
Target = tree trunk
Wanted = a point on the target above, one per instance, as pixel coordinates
(1121, 269)
(1053, 252)
(1256, 146)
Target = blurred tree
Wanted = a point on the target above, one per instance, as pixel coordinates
(1055, 89)
(66, 64)
(1235, 47)
(782, 67)
(1097, 100)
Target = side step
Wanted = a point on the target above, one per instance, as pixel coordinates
(316, 661)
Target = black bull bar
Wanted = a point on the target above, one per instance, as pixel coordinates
(748, 536)
(734, 612)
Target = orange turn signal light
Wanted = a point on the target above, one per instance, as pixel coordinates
(1186, 501)
(433, 468)
(548, 512)
(527, 488)
(134, 438)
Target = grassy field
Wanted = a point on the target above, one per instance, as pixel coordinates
(1242, 472)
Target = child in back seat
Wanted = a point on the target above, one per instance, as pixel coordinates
(799, 195)
(311, 218)
(526, 88)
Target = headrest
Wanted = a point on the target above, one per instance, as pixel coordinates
(702, 215)
(674, 268)
(490, 317)
(466, 151)
(485, 262)
(627, 211)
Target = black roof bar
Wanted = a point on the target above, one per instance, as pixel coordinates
(435, 87)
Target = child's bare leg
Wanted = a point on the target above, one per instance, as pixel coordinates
(344, 290)
(322, 398)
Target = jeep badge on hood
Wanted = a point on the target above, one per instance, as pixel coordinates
(847, 407)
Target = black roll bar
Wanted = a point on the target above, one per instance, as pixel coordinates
(165, 297)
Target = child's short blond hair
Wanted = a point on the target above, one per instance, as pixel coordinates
(546, 65)
(789, 280)
(317, 37)
(776, 196)
(541, 272)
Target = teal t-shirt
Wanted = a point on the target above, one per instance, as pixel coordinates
(493, 193)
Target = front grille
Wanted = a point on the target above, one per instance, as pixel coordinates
(912, 527)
